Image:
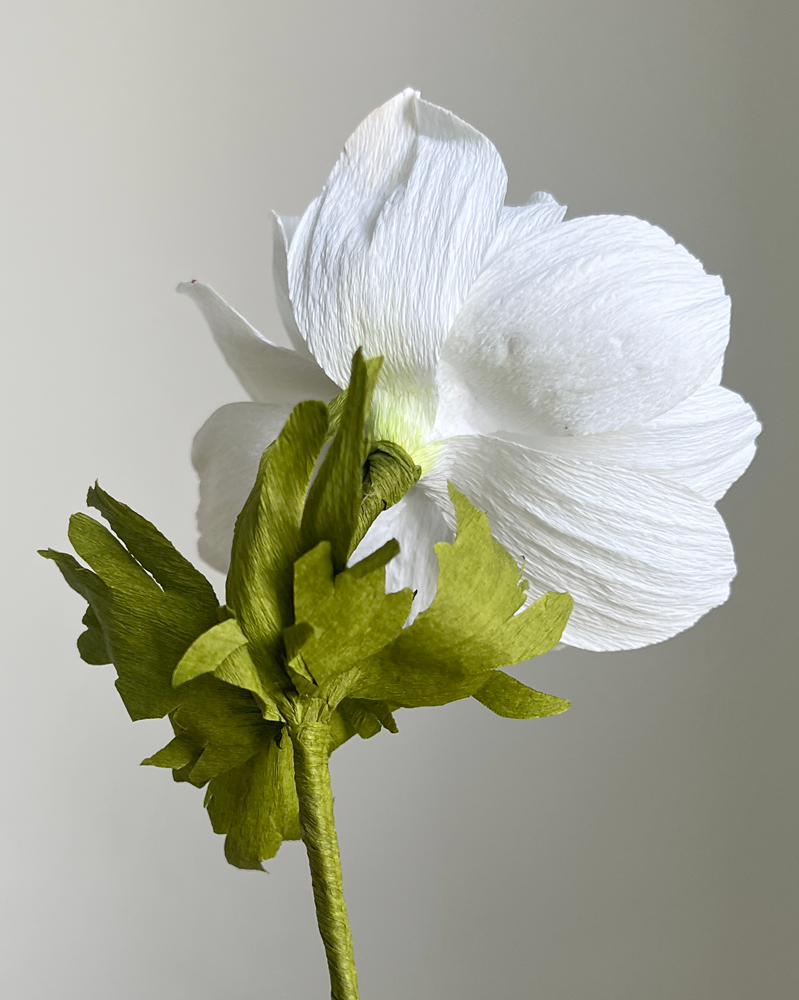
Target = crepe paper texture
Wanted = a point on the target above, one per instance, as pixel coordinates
(308, 650)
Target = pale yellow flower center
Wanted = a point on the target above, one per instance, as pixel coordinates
(406, 418)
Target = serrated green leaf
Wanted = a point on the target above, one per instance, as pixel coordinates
(350, 614)
(267, 538)
(334, 499)
(511, 699)
(255, 804)
(146, 630)
(470, 628)
(152, 549)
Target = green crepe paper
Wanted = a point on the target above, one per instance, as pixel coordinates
(146, 602)
(256, 806)
(346, 617)
(388, 474)
(335, 497)
(311, 751)
(304, 641)
(451, 649)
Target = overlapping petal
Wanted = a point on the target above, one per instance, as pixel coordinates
(268, 373)
(642, 557)
(283, 229)
(705, 443)
(593, 325)
(519, 222)
(384, 257)
(226, 452)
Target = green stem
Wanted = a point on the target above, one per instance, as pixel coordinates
(311, 742)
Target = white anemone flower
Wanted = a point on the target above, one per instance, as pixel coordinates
(563, 374)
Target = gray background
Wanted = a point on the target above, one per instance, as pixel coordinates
(640, 847)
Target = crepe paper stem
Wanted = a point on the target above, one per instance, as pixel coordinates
(311, 743)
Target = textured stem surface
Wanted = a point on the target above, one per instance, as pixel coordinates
(311, 750)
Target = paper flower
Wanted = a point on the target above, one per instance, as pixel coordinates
(563, 375)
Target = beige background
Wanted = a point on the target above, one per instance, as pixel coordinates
(643, 846)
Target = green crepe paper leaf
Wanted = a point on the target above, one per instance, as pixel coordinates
(350, 614)
(511, 699)
(334, 500)
(223, 651)
(178, 754)
(267, 538)
(255, 804)
(367, 717)
(239, 670)
(145, 628)
(225, 723)
(209, 650)
(359, 717)
(388, 475)
(155, 553)
(91, 643)
(470, 628)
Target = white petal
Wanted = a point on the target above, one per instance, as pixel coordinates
(270, 374)
(705, 443)
(593, 325)
(384, 257)
(417, 524)
(458, 413)
(519, 222)
(226, 452)
(283, 229)
(642, 557)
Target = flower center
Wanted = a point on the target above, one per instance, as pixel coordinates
(405, 417)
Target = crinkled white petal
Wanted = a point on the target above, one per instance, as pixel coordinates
(226, 452)
(705, 443)
(642, 557)
(519, 222)
(384, 257)
(593, 325)
(417, 524)
(270, 374)
(283, 229)
(458, 412)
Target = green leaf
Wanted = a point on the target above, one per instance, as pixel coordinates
(223, 651)
(334, 500)
(91, 643)
(511, 699)
(471, 627)
(180, 753)
(209, 650)
(267, 539)
(367, 718)
(145, 629)
(350, 615)
(255, 804)
(226, 722)
(155, 553)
